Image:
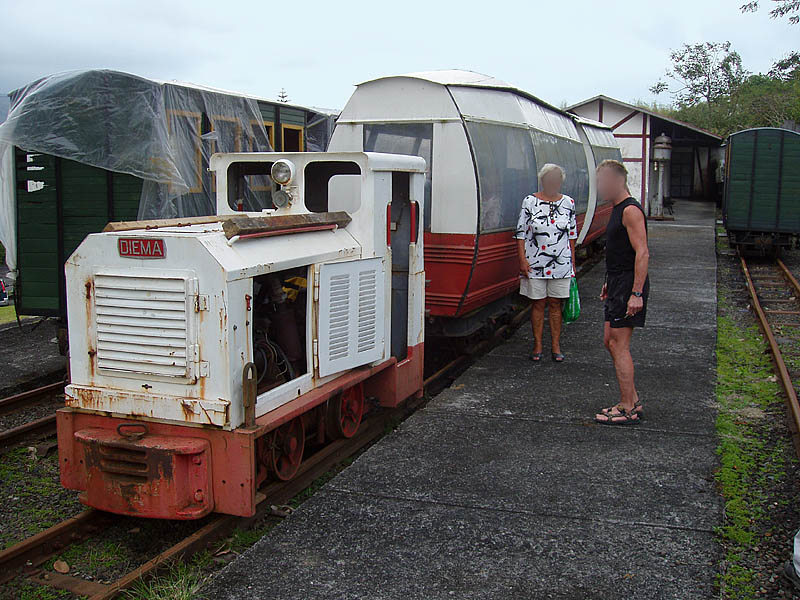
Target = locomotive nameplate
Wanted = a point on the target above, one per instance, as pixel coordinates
(141, 247)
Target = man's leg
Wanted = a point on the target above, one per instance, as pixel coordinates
(537, 324)
(618, 342)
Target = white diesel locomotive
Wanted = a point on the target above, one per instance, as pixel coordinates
(206, 352)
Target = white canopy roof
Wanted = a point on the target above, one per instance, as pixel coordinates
(463, 78)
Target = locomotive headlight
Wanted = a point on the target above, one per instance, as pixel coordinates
(281, 198)
(282, 171)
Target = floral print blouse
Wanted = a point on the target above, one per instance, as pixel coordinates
(547, 228)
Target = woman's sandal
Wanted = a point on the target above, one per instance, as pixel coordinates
(616, 415)
(537, 357)
(637, 409)
(558, 357)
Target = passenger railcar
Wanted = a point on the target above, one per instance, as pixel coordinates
(482, 141)
(207, 352)
(761, 201)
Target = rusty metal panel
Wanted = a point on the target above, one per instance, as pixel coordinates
(229, 463)
(162, 477)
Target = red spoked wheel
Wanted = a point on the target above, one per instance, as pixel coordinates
(345, 412)
(286, 447)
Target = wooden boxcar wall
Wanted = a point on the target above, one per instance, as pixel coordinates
(60, 202)
(285, 127)
(762, 184)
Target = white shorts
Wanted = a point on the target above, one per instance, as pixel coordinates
(536, 289)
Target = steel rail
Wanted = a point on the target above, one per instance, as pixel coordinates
(45, 425)
(792, 404)
(17, 401)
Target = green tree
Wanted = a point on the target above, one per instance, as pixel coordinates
(766, 101)
(706, 76)
(703, 72)
(782, 8)
(787, 68)
(718, 95)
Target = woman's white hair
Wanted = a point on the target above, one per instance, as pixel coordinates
(549, 168)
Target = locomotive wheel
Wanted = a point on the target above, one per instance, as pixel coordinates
(345, 412)
(286, 449)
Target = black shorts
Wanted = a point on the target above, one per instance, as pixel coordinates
(620, 286)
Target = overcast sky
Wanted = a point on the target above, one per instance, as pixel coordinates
(561, 51)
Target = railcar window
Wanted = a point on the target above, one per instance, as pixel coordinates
(250, 186)
(506, 172)
(412, 139)
(569, 155)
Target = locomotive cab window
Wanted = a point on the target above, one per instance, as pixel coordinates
(332, 185)
(250, 187)
(279, 308)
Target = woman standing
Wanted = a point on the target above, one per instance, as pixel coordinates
(545, 236)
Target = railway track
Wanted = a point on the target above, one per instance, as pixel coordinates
(44, 426)
(775, 299)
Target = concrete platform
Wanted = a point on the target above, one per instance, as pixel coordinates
(503, 486)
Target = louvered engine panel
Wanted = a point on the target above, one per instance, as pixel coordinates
(142, 325)
(351, 305)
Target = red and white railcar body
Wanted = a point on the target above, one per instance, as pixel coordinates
(483, 141)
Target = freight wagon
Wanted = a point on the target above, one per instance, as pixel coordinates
(761, 203)
(96, 146)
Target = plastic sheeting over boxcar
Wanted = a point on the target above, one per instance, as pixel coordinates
(82, 148)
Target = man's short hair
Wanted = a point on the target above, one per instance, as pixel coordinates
(616, 166)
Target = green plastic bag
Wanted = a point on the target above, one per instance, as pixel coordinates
(572, 306)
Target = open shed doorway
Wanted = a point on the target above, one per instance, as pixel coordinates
(681, 180)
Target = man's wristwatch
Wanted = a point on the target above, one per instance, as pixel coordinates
(637, 294)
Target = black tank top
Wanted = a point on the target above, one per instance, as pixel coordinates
(620, 255)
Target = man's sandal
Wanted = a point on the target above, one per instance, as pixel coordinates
(616, 415)
(637, 409)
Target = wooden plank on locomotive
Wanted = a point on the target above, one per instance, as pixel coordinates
(251, 225)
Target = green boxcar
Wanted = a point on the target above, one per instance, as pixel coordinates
(60, 202)
(761, 207)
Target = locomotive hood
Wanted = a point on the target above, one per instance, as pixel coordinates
(173, 247)
(143, 306)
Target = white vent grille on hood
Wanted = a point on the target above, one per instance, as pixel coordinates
(350, 314)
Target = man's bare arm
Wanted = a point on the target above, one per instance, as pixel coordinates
(633, 220)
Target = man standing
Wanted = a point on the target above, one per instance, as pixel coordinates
(626, 288)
